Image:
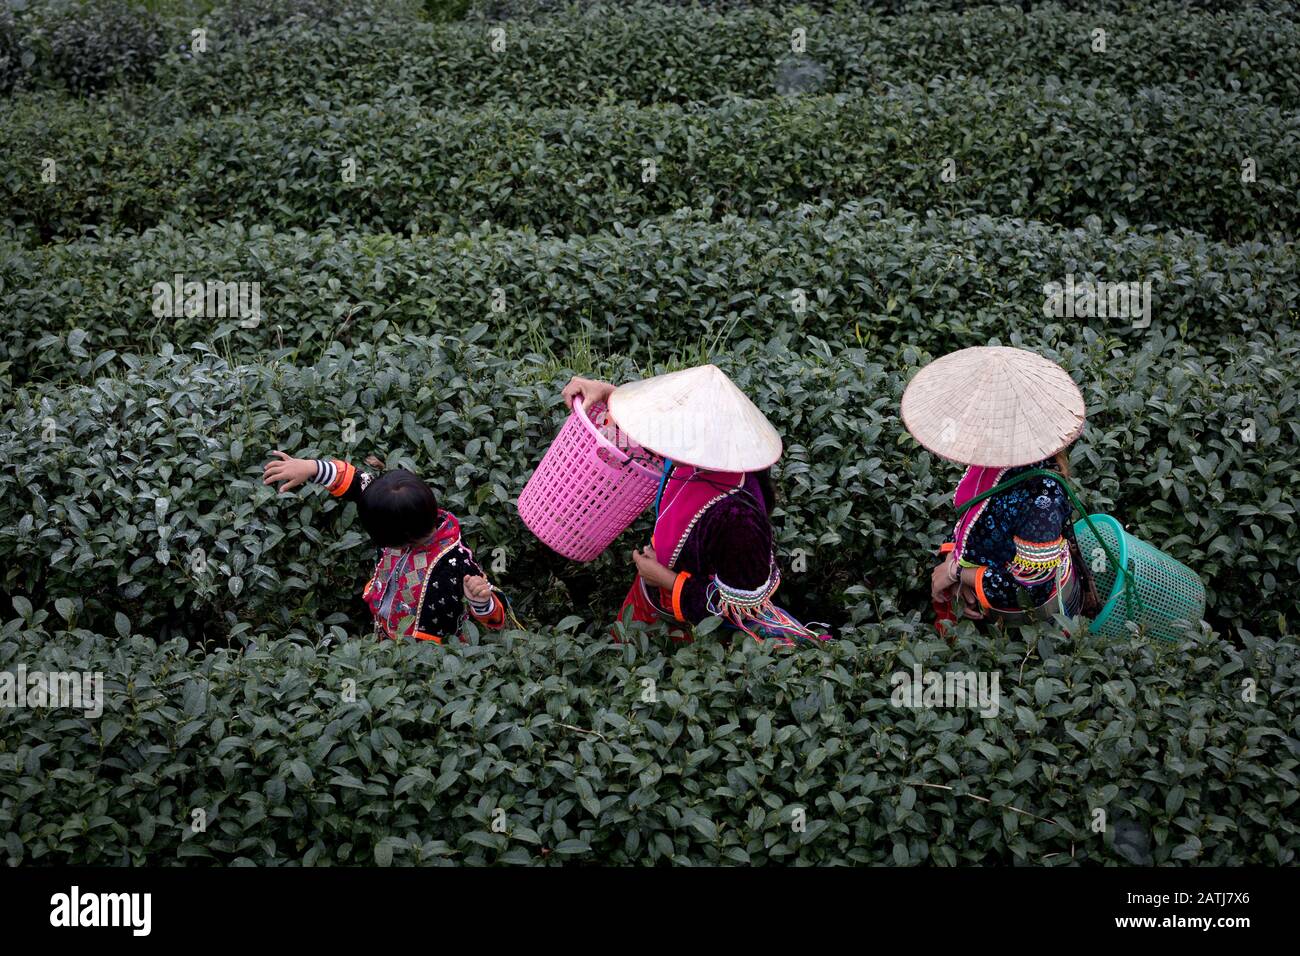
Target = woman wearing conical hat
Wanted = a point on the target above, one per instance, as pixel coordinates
(1002, 412)
(712, 549)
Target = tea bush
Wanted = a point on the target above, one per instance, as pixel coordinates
(86, 46)
(138, 474)
(529, 9)
(1172, 160)
(193, 432)
(136, 537)
(662, 54)
(11, 51)
(553, 729)
(244, 18)
(870, 279)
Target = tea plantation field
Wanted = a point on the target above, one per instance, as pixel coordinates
(448, 209)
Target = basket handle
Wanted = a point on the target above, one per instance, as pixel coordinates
(608, 445)
(622, 456)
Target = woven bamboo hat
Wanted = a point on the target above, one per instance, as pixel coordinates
(994, 406)
(697, 417)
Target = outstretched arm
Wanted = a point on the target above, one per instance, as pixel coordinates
(342, 479)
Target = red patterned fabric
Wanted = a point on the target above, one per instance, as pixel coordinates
(395, 592)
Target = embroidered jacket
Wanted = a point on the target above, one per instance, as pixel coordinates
(731, 542)
(1019, 543)
(417, 591)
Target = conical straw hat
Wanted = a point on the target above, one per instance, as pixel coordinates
(696, 417)
(993, 406)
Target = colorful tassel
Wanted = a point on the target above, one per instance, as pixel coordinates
(754, 613)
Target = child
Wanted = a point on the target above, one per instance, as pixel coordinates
(424, 568)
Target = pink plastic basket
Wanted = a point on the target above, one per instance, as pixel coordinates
(591, 485)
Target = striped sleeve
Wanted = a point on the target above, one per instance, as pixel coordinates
(492, 614)
(326, 472)
(336, 475)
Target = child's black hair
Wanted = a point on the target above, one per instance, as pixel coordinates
(397, 509)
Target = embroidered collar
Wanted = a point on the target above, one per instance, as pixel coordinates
(976, 480)
(448, 532)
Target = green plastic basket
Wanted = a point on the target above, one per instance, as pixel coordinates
(1170, 597)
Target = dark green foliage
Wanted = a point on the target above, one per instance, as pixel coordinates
(86, 46)
(662, 55)
(136, 537)
(280, 50)
(1177, 160)
(872, 280)
(89, 44)
(80, 511)
(444, 11)
(553, 729)
(525, 9)
(233, 19)
(11, 51)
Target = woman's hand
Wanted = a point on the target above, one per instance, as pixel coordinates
(654, 573)
(292, 471)
(970, 604)
(591, 390)
(943, 586)
(477, 589)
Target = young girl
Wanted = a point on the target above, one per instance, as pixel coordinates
(426, 575)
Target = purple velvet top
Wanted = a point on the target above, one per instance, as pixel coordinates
(732, 540)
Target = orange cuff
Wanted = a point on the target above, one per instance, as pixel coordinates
(426, 636)
(979, 588)
(495, 618)
(344, 478)
(947, 546)
(678, 584)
